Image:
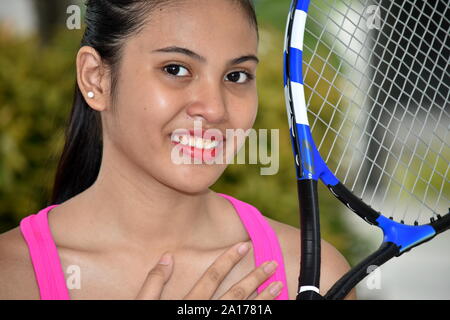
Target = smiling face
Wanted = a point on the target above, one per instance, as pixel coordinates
(192, 62)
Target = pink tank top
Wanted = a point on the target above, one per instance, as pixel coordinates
(50, 276)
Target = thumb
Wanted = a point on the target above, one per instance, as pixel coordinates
(156, 279)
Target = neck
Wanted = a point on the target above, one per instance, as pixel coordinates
(125, 208)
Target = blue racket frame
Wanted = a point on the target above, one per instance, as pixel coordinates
(310, 167)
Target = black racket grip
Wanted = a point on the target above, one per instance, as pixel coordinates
(310, 238)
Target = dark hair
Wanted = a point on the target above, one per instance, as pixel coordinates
(108, 24)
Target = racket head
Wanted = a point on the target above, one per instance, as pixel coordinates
(381, 147)
(339, 109)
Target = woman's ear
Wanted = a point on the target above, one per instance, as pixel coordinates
(93, 78)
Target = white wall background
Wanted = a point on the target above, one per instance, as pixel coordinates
(18, 15)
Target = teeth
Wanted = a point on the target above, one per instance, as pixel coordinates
(184, 140)
(195, 142)
(199, 143)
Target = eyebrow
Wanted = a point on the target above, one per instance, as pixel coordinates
(200, 58)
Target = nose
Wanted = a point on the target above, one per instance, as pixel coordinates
(209, 102)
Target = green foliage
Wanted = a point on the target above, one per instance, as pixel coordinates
(36, 90)
(273, 12)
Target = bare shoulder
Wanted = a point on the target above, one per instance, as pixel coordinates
(334, 265)
(17, 278)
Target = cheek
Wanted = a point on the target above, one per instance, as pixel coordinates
(254, 111)
(243, 116)
(146, 105)
(139, 125)
(146, 108)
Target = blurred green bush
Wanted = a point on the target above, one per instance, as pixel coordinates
(36, 89)
(36, 92)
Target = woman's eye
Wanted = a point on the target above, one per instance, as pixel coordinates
(235, 76)
(174, 69)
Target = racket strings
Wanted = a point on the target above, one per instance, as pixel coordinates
(377, 101)
(419, 103)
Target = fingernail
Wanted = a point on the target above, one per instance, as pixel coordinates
(243, 248)
(166, 259)
(270, 267)
(276, 288)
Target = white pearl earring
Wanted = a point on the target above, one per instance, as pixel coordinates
(90, 94)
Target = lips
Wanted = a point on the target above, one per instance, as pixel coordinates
(201, 144)
(209, 134)
(202, 154)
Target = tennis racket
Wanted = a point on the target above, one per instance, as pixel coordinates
(367, 96)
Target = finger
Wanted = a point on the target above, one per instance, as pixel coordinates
(156, 279)
(214, 275)
(246, 286)
(271, 292)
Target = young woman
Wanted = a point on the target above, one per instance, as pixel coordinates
(144, 70)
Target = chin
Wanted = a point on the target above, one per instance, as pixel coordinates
(195, 180)
(193, 188)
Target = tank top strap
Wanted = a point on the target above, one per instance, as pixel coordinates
(44, 256)
(265, 242)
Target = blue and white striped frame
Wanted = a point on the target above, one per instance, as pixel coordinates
(309, 164)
